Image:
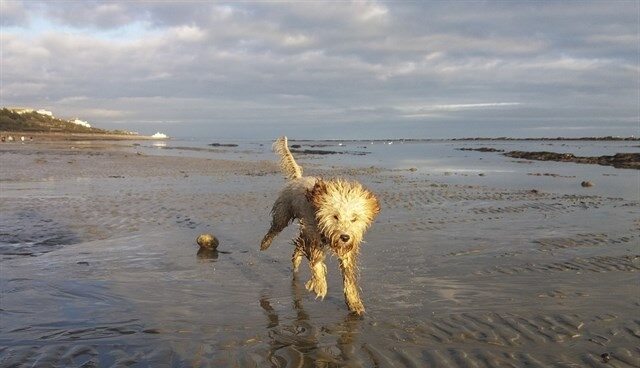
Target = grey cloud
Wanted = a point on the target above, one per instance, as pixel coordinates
(297, 64)
(13, 14)
(92, 13)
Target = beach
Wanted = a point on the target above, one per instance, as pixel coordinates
(476, 259)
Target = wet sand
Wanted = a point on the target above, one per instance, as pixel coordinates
(99, 267)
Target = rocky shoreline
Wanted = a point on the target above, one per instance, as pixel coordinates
(607, 138)
(619, 160)
(496, 139)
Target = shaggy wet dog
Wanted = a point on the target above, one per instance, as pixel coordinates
(332, 213)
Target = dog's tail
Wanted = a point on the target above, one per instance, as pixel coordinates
(288, 165)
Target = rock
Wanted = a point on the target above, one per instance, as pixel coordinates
(606, 357)
(314, 151)
(207, 241)
(412, 169)
(586, 184)
(619, 160)
(223, 145)
(325, 152)
(481, 174)
(481, 149)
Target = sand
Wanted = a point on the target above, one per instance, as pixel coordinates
(99, 267)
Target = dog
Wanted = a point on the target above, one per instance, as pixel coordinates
(333, 213)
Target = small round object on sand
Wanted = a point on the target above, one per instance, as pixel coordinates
(207, 241)
(586, 184)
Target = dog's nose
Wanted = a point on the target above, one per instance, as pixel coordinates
(344, 237)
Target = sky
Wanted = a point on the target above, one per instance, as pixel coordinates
(328, 70)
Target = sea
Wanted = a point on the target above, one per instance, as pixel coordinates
(448, 161)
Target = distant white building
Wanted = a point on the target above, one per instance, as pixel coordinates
(81, 122)
(159, 135)
(20, 110)
(24, 110)
(44, 112)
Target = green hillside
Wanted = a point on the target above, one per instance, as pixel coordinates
(33, 122)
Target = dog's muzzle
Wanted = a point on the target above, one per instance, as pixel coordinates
(338, 241)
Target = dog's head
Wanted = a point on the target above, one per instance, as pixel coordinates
(344, 211)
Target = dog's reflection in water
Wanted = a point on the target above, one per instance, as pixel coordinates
(296, 343)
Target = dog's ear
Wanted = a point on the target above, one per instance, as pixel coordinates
(374, 204)
(319, 189)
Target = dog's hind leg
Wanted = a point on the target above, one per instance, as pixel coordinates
(281, 218)
(350, 282)
(298, 253)
(318, 281)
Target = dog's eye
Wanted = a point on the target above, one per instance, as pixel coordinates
(335, 217)
(354, 219)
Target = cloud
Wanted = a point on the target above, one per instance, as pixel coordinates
(296, 40)
(188, 33)
(88, 14)
(439, 110)
(369, 11)
(103, 113)
(579, 128)
(455, 107)
(14, 14)
(303, 65)
(12, 90)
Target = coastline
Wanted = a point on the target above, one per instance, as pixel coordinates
(53, 136)
(466, 139)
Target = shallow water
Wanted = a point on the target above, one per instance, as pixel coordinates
(104, 271)
(443, 161)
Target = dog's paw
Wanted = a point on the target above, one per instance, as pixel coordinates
(317, 286)
(356, 308)
(266, 242)
(295, 262)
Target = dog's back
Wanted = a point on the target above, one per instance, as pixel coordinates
(333, 214)
(288, 165)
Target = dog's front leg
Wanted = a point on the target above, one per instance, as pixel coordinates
(318, 281)
(349, 270)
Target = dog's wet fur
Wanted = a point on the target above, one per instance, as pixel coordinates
(332, 213)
